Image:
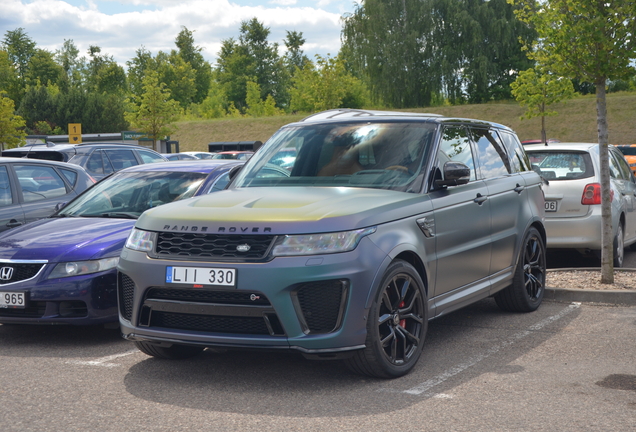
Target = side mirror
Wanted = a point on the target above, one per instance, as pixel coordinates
(455, 174)
(59, 206)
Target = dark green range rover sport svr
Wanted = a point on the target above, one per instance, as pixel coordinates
(383, 221)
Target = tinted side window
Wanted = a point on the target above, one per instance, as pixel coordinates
(491, 154)
(120, 158)
(619, 167)
(95, 164)
(39, 182)
(5, 187)
(518, 158)
(148, 157)
(70, 175)
(455, 146)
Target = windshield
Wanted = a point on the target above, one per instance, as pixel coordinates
(370, 155)
(130, 194)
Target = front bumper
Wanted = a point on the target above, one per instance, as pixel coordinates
(80, 300)
(314, 304)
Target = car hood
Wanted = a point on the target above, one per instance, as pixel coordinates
(66, 239)
(284, 210)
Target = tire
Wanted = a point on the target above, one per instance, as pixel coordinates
(397, 325)
(528, 284)
(174, 352)
(619, 247)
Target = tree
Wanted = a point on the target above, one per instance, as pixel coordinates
(178, 76)
(325, 86)
(20, 48)
(257, 107)
(412, 51)
(37, 105)
(9, 81)
(11, 125)
(234, 69)
(103, 74)
(43, 69)
(537, 91)
(138, 67)
(590, 41)
(191, 54)
(157, 112)
(67, 57)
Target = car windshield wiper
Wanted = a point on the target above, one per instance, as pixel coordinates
(123, 215)
(62, 215)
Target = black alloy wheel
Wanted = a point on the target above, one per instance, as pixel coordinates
(398, 321)
(528, 285)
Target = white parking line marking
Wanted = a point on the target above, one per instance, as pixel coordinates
(104, 360)
(429, 384)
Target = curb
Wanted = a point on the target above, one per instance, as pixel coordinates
(615, 297)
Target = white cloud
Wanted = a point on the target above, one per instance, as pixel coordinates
(283, 2)
(155, 24)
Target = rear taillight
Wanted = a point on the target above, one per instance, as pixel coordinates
(592, 194)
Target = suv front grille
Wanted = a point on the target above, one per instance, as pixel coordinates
(218, 247)
(216, 311)
(242, 325)
(205, 296)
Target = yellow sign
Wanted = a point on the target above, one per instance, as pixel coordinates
(75, 133)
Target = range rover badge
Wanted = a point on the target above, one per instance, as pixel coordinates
(243, 247)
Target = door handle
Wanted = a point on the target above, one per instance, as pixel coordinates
(13, 223)
(519, 188)
(480, 199)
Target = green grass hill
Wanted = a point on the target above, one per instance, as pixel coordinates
(575, 121)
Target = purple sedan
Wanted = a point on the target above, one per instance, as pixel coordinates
(62, 269)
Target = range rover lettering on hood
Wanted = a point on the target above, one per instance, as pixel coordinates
(192, 228)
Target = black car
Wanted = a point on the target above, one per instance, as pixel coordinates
(98, 159)
(31, 189)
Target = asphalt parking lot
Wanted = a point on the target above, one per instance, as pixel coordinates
(565, 367)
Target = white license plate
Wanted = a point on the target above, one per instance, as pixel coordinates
(551, 206)
(12, 300)
(201, 276)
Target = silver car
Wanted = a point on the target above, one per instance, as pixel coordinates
(573, 197)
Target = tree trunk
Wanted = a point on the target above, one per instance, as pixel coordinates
(607, 251)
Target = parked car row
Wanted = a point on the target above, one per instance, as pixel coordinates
(98, 159)
(340, 238)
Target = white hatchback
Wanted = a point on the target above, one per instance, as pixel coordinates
(573, 197)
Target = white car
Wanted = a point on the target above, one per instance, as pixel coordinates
(199, 154)
(573, 197)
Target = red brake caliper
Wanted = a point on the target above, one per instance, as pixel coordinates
(402, 321)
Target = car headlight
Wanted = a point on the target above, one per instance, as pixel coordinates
(140, 240)
(76, 268)
(316, 244)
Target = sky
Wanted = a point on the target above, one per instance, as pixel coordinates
(121, 27)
